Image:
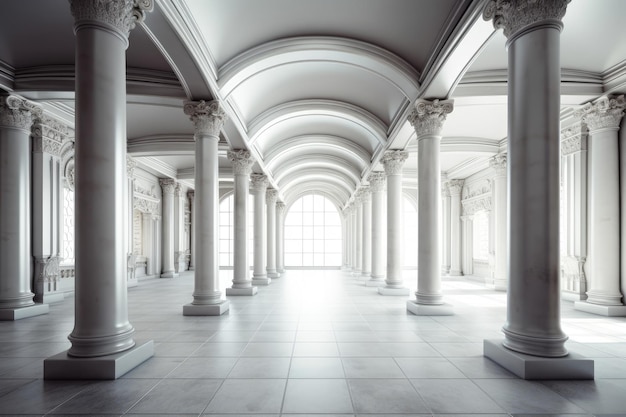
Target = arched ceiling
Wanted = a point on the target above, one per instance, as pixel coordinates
(316, 90)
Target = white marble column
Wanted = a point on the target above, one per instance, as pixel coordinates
(271, 197)
(366, 227)
(280, 237)
(16, 297)
(358, 201)
(179, 229)
(499, 213)
(242, 162)
(192, 231)
(102, 339)
(377, 182)
(445, 227)
(603, 263)
(258, 187)
(355, 263)
(208, 119)
(455, 187)
(533, 326)
(168, 186)
(394, 283)
(348, 232)
(468, 244)
(427, 119)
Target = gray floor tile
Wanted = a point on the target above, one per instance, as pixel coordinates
(181, 396)
(204, 368)
(371, 368)
(317, 396)
(155, 368)
(454, 396)
(602, 396)
(428, 368)
(316, 368)
(220, 350)
(39, 396)
(314, 349)
(270, 349)
(248, 396)
(480, 368)
(260, 368)
(385, 396)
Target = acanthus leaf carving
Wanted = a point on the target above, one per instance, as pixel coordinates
(515, 15)
(258, 182)
(242, 161)
(377, 180)
(427, 117)
(393, 161)
(120, 14)
(17, 112)
(207, 117)
(605, 113)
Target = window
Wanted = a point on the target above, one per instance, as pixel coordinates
(313, 233)
(227, 231)
(481, 236)
(68, 227)
(410, 233)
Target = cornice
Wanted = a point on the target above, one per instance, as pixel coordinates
(7, 76)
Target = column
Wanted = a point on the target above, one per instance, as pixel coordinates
(394, 284)
(16, 297)
(604, 296)
(358, 201)
(259, 184)
(102, 339)
(48, 136)
(468, 242)
(366, 255)
(271, 196)
(192, 231)
(445, 228)
(242, 163)
(427, 119)
(533, 327)
(131, 277)
(377, 182)
(454, 188)
(348, 236)
(208, 119)
(280, 237)
(498, 164)
(355, 262)
(179, 229)
(168, 186)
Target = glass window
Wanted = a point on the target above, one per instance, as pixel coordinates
(481, 236)
(410, 232)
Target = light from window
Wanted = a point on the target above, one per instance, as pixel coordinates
(410, 233)
(481, 236)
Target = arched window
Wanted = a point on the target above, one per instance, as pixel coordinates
(313, 233)
(410, 233)
(227, 230)
(481, 236)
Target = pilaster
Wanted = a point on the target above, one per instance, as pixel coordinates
(168, 187)
(377, 181)
(454, 187)
(280, 237)
(258, 187)
(271, 197)
(498, 164)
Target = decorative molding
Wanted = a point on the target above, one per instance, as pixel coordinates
(258, 182)
(475, 204)
(476, 189)
(378, 181)
(365, 194)
(604, 113)
(130, 166)
(427, 117)
(168, 185)
(17, 112)
(146, 205)
(48, 269)
(574, 139)
(445, 191)
(515, 15)
(271, 196)
(280, 208)
(145, 192)
(455, 186)
(178, 190)
(121, 14)
(498, 164)
(207, 117)
(191, 194)
(67, 163)
(242, 161)
(49, 135)
(393, 161)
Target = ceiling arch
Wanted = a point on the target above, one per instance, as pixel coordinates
(314, 160)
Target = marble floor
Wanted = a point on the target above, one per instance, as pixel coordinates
(313, 342)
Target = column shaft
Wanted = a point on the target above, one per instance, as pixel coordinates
(455, 187)
(377, 186)
(499, 212)
(445, 229)
(366, 255)
(167, 235)
(280, 237)
(259, 276)
(192, 231)
(468, 242)
(359, 236)
(271, 198)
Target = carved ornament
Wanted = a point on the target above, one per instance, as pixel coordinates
(393, 161)
(515, 15)
(573, 139)
(271, 196)
(473, 205)
(498, 164)
(168, 185)
(365, 194)
(49, 135)
(445, 192)
(605, 113)
(207, 117)
(280, 208)
(455, 186)
(242, 161)
(121, 14)
(377, 180)
(17, 112)
(130, 166)
(428, 116)
(258, 182)
(145, 205)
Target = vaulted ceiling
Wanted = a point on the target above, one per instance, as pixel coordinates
(316, 90)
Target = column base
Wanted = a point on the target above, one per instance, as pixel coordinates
(169, 274)
(50, 298)
(242, 291)
(273, 275)
(500, 284)
(281, 270)
(600, 310)
(62, 366)
(261, 281)
(375, 282)
(429, 309)
(454, 273)
(572, 366)
(11, 314)
(206, 309)
(393, 291)
(191, 268)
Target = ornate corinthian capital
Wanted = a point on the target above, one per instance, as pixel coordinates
(207, 117)
(498, 163)
(428, 116)
(121, 14)
(258, 182)
(377, 181)
(17, 112)
(365, 194)
(605, 113)
(242, 161)
(455, 186)
(271, 196)
(393, 161)
(514, 15)
(168, 185)
(280, 208)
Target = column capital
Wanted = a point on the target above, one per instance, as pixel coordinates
(455, 186)
(191, 194)
(123, 15)
(49, 135)
(241, 160)
(515, 15)
(427, 117)
(258, 182)
(130, 166)
(178, 190)
(366, 193)
(168, 185)
(208, 117)
(604, 113)
(445, 191)
(280, 207)
(574, 139)
(393, 161)
(271, 196)
(17, 112)
(498, 164)
(377, 180)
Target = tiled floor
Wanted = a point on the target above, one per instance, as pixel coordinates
(313, 342)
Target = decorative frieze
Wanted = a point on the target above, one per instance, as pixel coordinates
(473, 205)
(498, 164)
(145, 191)
(573, 139)
(455, 186)
(49, 135)
(428, 116)
(258, 182)
(207, 117)
(145, 205)
(393, 161)
(168, 185)
(476, 189)
(271, 196)
(514, 15)
(378, 181)
(67, 163)
(605, 113)
(17, 112)
(242, 161)
(121, 14)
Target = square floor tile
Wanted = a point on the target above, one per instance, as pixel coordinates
(602, 396)
(248, 396)
(428, 368)
(220, 350)
(180, 396)
(39, 397)
(261, 368)
(314, 349)
(385, 396)
(454, 396)
(268, 350)
(316, 368)
(267, 336)
(371, 368)
(317, 396)
(204, 368)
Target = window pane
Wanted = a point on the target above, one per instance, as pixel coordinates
(307, 246)
(307, 232)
